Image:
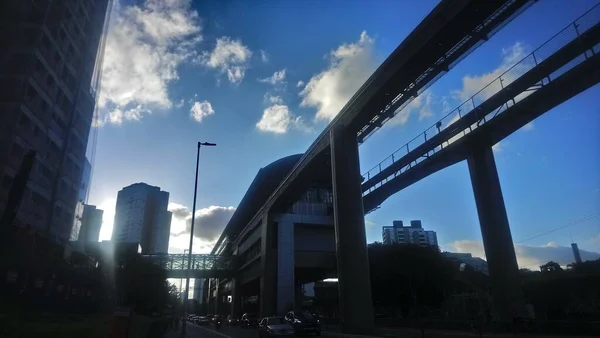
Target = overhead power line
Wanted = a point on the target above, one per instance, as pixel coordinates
(568, 225)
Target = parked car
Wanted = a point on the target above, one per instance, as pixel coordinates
(203, 320)
(303, 322)
(249, 320)
(275, 327)
(233, 321)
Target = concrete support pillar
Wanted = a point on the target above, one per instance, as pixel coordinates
(497, 239)
(217, 297)
(209, 296)
(236, 298)
(356, 305)
(299, 294)
(268, 262)
(285, 267)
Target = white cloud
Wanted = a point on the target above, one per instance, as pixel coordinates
(349, 66)
(270, 99)
(145, 45)
(473, 84)
(530, 257)
(498, 147)
(528, 127)
(370, 223)
(264, 57)
(209, 223)
(208, 226)
(300, 84)
(200, 110)
(278, 119)
(455, 118)
(180, 103)
(117, 115)
(180, 244)
(422, 104)
(229, 56)
(277, 78)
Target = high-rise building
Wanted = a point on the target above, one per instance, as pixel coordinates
(413, 234)
(48, 80)
(81, 200)
(91, 223)
(141, 216)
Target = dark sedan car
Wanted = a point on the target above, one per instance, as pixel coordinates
(275, 327)
(303, 322)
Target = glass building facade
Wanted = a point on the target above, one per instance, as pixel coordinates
(141, 216)
(48, 57)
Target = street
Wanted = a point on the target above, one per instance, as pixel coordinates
(196, 331)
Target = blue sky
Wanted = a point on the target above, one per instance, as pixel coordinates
(262, 79)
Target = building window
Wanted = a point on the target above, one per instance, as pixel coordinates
(32, 93)
(7, 181)
(37, 131)
(38, 199)
(24, 121)
(17, 151)
(46, 42)
(44, 106)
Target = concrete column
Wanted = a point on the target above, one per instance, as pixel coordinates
(299, 297)
(285, 267)
(236, 298)
(497, 239)
(209, 295)
(217, 297)
(356, 305)
(268, 262)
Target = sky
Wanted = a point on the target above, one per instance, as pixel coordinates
(262, 79)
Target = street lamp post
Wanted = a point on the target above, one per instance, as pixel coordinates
(189, 267)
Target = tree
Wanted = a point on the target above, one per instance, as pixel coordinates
(142, 285)
(551, 267)
(407, 277)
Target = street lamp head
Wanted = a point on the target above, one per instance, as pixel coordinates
(206, 144)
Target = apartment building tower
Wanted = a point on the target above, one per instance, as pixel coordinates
(412, 234)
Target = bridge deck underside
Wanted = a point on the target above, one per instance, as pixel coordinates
(538, 94)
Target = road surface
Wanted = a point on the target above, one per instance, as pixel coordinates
(196, 331)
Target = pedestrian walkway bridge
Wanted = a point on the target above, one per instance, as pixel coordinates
(203, 265)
